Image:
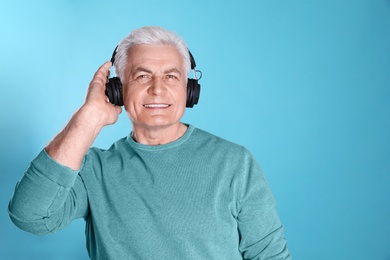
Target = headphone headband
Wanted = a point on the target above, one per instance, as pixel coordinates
(113, 55)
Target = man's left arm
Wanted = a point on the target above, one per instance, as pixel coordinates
(260, 228)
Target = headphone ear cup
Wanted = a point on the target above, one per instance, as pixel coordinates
(114, 91)
(193, 92)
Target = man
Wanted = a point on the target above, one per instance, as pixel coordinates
(166, 191)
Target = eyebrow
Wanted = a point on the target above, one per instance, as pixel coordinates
(167, 71)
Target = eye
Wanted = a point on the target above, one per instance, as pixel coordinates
(171, 76)
(143, 78)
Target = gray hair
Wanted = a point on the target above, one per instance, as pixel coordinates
(149, 35)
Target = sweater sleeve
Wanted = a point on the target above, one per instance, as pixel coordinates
(260, 229)
(48, 197)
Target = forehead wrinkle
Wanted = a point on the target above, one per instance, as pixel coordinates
(174, 69)
(141, 69)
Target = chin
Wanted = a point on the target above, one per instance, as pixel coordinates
(160, 123)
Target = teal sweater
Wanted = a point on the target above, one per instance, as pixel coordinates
(200, 197)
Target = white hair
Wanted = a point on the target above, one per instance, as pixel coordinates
(149, 35)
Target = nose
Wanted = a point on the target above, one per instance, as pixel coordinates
(157, 87)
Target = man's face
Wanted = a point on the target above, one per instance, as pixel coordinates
(154, 91)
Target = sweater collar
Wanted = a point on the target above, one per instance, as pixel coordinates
(175, 143)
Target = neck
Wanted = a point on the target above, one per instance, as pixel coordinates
(158, 135)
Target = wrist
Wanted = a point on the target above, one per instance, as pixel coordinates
(90, 117)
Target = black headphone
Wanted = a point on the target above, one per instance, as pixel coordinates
(114, 86)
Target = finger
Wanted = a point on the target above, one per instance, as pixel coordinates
(101, 75)
(105, 67)
(115, 111)
(103, 70)
(118, 109)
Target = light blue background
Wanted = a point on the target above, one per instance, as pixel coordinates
(305, 85)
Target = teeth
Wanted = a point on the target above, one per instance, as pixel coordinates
(156, 105)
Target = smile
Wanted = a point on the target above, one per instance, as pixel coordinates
(156, 105)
